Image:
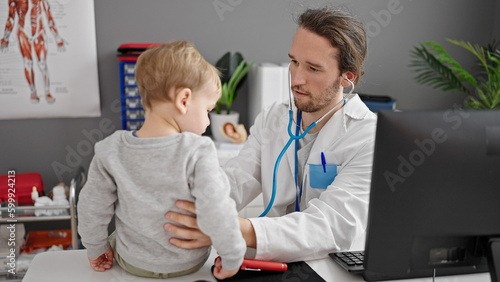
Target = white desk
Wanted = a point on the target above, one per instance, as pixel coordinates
(330, 271)
(64, 266)
(74, 266)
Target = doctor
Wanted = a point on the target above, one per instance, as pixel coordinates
(321, 202)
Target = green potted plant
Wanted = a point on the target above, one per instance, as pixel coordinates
(436, 68)
(234, 69)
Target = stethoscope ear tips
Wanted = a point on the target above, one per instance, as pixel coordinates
(350, 81)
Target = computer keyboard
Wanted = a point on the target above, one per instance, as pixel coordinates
(351, 261)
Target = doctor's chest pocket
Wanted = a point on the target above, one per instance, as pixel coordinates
(320, 177)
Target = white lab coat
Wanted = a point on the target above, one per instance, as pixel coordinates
(331, 218)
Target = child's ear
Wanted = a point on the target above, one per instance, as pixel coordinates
(183, 98)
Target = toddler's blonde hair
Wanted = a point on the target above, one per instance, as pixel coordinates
(171, 66)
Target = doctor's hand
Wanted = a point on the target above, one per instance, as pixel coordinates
(189, 236)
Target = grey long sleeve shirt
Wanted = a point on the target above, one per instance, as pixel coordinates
(138, 180)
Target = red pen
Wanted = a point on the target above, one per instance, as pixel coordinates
(253, 264)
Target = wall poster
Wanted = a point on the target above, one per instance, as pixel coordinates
(48, 59)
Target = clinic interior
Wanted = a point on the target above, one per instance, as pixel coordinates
(262, 30)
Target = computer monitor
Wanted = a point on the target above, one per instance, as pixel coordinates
(435, 194)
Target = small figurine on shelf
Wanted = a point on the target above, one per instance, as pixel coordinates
(56, 197)
(59, 199)
(34, 194)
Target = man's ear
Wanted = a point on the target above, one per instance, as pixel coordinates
(349, 75)
(182, 99)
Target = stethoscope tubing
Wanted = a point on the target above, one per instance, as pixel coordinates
(295, 137)
(280, 156)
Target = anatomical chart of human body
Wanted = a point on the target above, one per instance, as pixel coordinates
(48, 59)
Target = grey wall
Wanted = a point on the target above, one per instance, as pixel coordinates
(496, 21)
(261, 30)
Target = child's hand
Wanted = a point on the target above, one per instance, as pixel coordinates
(102, 262)
(220, 273)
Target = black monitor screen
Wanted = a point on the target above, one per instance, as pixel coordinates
(435, 193)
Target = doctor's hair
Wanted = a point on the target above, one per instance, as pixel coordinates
(344, 31)
(171, 66)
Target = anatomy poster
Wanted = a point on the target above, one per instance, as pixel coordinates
(48, 59)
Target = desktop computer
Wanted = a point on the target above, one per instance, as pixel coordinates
(435, 195)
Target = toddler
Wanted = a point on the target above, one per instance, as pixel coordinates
(138, 176)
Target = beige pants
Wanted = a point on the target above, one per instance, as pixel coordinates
(146, 273)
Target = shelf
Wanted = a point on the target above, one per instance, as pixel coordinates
(76, 182)
(34, 218)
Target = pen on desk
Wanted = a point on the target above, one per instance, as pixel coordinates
(323, 162)
(253, 264)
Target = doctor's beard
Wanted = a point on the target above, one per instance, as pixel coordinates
(326, 99)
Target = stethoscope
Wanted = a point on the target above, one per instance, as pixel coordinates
(295, 137)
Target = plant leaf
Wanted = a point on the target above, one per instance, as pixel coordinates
(223, 100)
(233, 70)
(477, 50)
(238, 75)
(434, 69)
(235, 60)
(447, 60)
(223, 65)
(231, 83)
